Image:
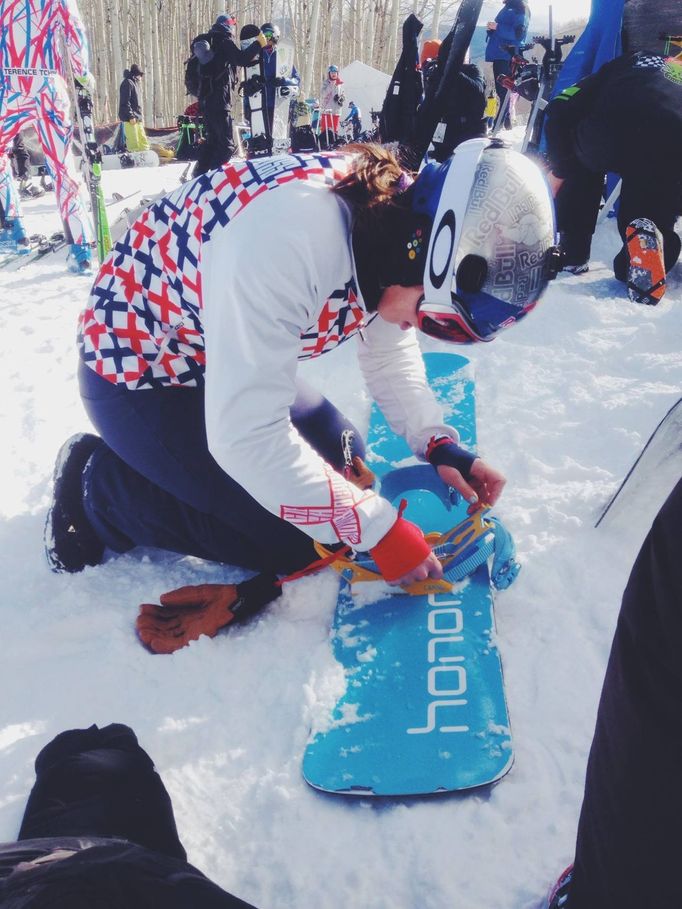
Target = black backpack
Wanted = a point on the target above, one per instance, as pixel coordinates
(192, 76)
(193, 72)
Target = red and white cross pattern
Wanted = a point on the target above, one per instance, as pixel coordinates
(143, 326)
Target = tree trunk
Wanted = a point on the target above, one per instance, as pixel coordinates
(309, 50)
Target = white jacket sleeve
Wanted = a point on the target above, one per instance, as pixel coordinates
(392, 365)
(261, 287)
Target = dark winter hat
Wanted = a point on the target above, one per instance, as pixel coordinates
(228, 21)
(390, 250)
(136, 71)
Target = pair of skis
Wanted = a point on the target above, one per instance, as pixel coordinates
(93, 172)
(40, 245)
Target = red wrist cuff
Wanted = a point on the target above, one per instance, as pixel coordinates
(401, 550)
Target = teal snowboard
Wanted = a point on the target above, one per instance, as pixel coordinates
(424, 708)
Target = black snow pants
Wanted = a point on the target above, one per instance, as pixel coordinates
(98, 802)
(155, 483)
(652, 193)
(219, 145)
(629, 835)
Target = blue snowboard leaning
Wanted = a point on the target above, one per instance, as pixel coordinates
(424, 709)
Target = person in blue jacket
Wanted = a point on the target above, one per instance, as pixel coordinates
(504, 37)
(354, 118)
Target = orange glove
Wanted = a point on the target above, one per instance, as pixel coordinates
(188, 612)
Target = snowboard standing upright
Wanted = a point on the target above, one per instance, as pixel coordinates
(424, 708)
(285, 92)
(258, 142)
(441, 96)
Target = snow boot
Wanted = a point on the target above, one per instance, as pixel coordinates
(70, 541)
(14, 239)
(29, 190)
(79, 258)
(558, 897)
(646, 271)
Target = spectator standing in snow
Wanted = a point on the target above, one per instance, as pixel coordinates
(219, 56)
(354, 117)
(130, 110)
(504, 37)
(628, 843)
(98, 830)
(210, 443)
(331, 102)
(627, 119)
(492, 106)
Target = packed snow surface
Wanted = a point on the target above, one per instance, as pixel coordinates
(565, 403)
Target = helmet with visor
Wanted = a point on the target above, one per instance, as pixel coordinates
(492, 247)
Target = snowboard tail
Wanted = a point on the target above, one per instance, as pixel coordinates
(424, 709)
(646, 271)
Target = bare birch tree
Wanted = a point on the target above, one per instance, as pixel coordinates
(156, 34)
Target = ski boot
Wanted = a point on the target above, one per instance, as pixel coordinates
(14, 239)
(79, 258)
(70, 541)
(558, 897)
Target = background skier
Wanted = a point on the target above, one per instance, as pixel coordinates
(504, 36)
(625, 118)
(219, 56)
(32, 90)
(331, 102)
(210, 444)
(130, 110)
(354, 117)
(492, 105)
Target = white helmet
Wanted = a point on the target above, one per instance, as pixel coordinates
(492, 247)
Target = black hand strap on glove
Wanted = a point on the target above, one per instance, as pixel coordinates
(443, 451)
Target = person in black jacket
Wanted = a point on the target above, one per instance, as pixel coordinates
(628, 841)
(130, 110)
(98, 830)
(627, 119)
(219, 56)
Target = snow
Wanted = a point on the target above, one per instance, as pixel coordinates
(565, 403)
(366, 86)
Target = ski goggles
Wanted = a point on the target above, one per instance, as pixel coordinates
(470, 318)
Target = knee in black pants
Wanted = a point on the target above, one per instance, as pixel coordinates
(100, 782)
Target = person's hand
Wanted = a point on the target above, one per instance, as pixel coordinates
(484, 486)
(184, 615)
(132, 120)
(491, 26)
(555, 183)
(261, 39)
(429, 568)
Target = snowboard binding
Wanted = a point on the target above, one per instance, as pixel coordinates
(460, 551)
